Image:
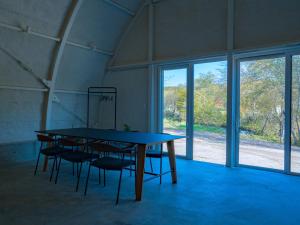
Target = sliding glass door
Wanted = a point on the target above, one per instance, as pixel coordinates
(263, 125)
(196, 94)
(175, 105)
(295, 115)
(261, 112)
(210, 98)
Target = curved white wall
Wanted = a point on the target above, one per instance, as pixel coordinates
(98, 24)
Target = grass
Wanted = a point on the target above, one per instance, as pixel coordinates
(260, 138)
(168, 124)
(197, 127)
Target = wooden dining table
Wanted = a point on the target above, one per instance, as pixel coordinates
(141, 139)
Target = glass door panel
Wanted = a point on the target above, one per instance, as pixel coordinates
(210, 97)
(295, 126)
(262, 113)
(175, 105)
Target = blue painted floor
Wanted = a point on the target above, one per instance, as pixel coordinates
(205, 194)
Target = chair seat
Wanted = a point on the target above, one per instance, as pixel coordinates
(71, 142)
(155, 154)
(52, 151)
(129, 151)
(78, 156)
(111, 163)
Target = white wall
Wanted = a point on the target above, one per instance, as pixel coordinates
(135, 45)
(266, 22)
(132, 99)
(70, 111)
(187, 28)
(21, 111)
(20, 115)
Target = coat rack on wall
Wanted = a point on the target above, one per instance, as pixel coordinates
(107, 94)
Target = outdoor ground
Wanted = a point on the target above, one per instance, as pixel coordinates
(211, 147)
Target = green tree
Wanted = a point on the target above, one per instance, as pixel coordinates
(209, 100)
(262, 97)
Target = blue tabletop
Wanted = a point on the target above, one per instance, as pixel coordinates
(114, 135)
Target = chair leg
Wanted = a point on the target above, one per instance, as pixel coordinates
(130, 165)
(104, 178)
(73, 170)
(87, 180)
(56, 165)
(37, 163)
(78, 177)
(135, 166)
(119, 187)
(57, 170)
(77, 169)
(160, 170)
(99, 176)
(52, 170)
(151, 165)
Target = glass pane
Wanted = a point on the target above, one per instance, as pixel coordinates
(210, 93)
(295, 128)
(175, 97)
(262, 113)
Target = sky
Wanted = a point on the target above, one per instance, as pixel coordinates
(175, 77)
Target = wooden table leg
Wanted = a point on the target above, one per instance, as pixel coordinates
(172, 160)
(141, 153)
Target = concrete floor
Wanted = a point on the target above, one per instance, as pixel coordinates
(205, 194)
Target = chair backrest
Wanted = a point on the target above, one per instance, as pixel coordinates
(102, 147)
(68, 142)
(44, 138)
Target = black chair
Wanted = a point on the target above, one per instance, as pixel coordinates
(151, 154)
(48, 148)
(129, 152)
(107, 162)
(156, 154)
(74, 155)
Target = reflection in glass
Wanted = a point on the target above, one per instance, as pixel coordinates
(174, 108)
(210, 93)
(262, 113)
(295, 127)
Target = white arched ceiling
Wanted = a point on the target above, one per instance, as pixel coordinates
(43, 16)
(99, 24)
(30, 35)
